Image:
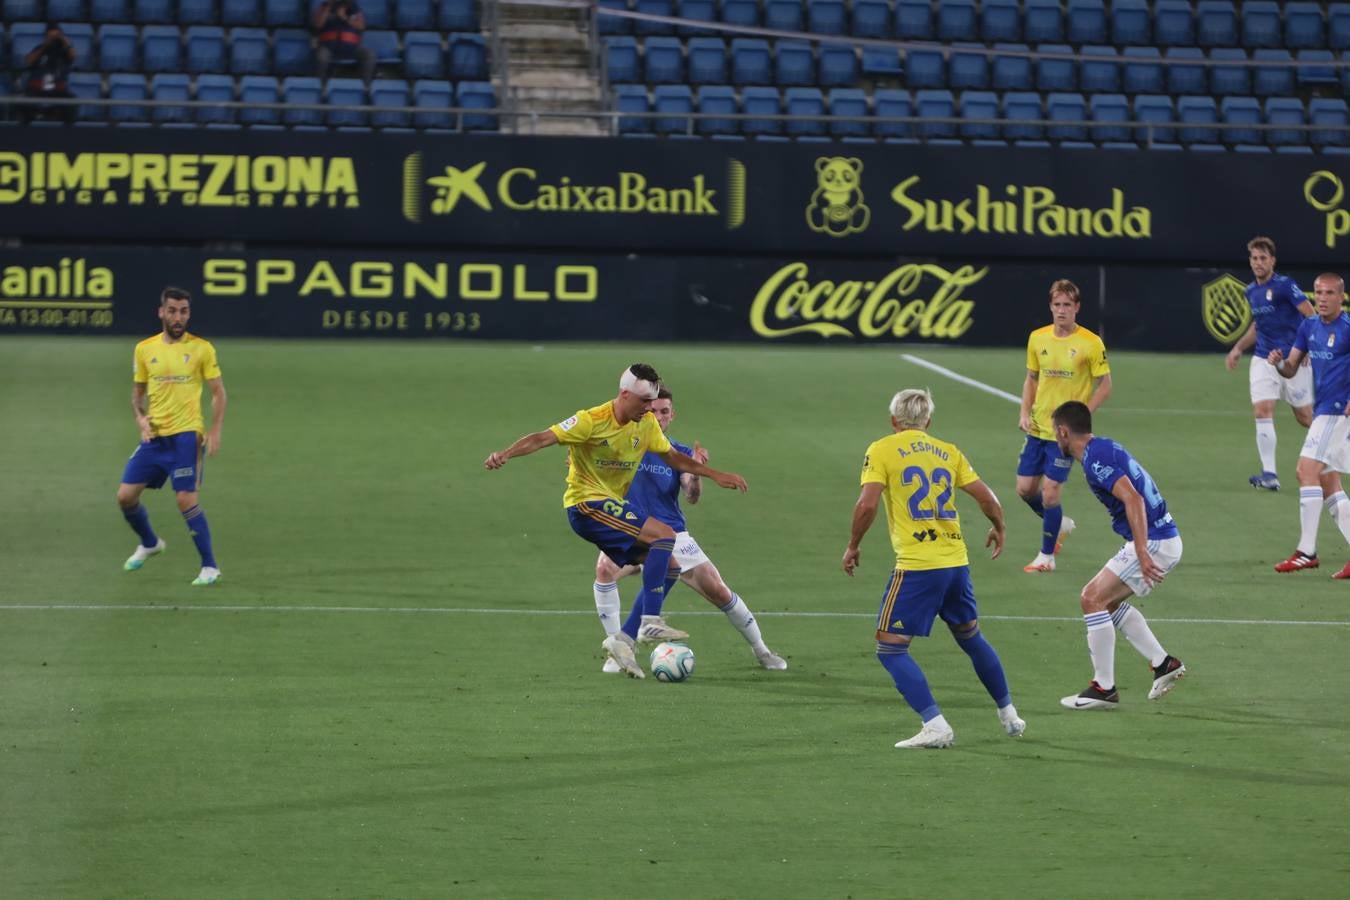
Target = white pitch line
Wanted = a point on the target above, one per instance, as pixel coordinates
(957, 376)
(490, 611)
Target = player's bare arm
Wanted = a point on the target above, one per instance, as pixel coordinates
(1136, 513)
(1029, 386)
(864, 514)
(678, 461)
(690, 483)
(139, 396)
(1243, 344)
(1286, 367)
(218, 403)
(993, 511)
(1101, 389)
(523, 447)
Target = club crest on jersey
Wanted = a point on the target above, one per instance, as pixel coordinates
(635, 441)
(1331, 340)
(154, 360)
(187, 358)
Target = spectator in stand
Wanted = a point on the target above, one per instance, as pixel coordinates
(339, 25)
(48, 67)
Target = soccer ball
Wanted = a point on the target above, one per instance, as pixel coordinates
(672, 662)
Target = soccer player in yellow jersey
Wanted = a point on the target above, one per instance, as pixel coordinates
(607, 443)
(917, 476)
(166, 390)
(1065, 362)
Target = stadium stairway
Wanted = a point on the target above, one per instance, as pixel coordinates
(549, 65)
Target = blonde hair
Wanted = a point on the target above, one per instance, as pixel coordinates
(1067, 288)
(912, 408)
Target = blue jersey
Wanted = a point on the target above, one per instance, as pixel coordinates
(1104, 462)
(1275, 310)
(1328, 349)
(656, 488)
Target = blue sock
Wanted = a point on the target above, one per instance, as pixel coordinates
(634, 620)
(987, 665)
(201, 535)
(139, 520)
(1054, 517)
(1034, 501)
(908, 678)
(653, 585)
(644, 605)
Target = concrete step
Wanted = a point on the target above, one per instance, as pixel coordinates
(532, 31)
(560, 99)
(546, 59)
(567, 127)
(541, 77)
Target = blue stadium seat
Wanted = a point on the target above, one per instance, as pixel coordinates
(967, 71)
(250, 53)
(1066, 107)
(1087, 22)
(1329, 111)
(935, 104)
(393, 93)
(1101, 71)
(673, 99)
(1309, 76)
(784, 15)
(383, 42)
(88, 86)
(1216, 25)
(125, 86)
(1056, 74)
(1112, 108)
(1131, 23)
(285, 13)
(794, 64)
(881, 61)
(477, 95)
(378, 14)
(838, 66)
(214, 89)
(205, 49)
(433, 94)
(291, 52)
(20, 10)
(664, 60)
(654, 8)
(1285, 111)
(1011, 73)
(740, 12)
(956, 21)
(81, 37)
(414, 14)
(346, 92)
(826, 17)
(1240, 111)
(699, 10)
(422, 57)
(167, 87)
(761, 101)
(1303, 25)
(1196, 111)
(846, 101)
(804, 101)
(1228, 81)
(24, 36)
(1261, 24)
(1183, 78)
(914, 20)
(302, 89)
(750, 62)
(892, 103)
(459, 15)
(979, 105)
(1143, 74)
(109, 11)
(632, 98)
(1020, 107)
(707, 61)
(65, 11)
(924, 67)
(614, 24)
(1173, 24)
(117, 48)
(717, 99)
(1155, 109)
(259, 89)
(1272, 80)
(1000, 20)
(249, 12)
(197, 12)
(871, 18)
(1338, 26)
(1043, 22)
(621, 59)
(468, 57)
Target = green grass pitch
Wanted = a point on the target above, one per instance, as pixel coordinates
(395, 692)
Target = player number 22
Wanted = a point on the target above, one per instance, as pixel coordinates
(941, 478)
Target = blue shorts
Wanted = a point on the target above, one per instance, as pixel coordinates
(1042, 457)
(177, 457)
(611, 525)
(913, 599)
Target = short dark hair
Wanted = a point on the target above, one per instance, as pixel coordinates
(174, 293)
(1075, 416)
(644, 372)
(1261, 242)
(663, 393)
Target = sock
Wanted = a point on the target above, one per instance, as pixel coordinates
(1054, 517)
(139, 520)
(201, 535)
(1101, 640)
(1034, 501)
(908, 678)
(1134, 626)
(607, 605)
(653, 585)
(987, 665)
(1265, 443)
(1309, 503)
(647, 605)
(1338, 507)
(743, 620)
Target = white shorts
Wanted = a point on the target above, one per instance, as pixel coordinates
(1327, 442)
(1125, 564)
(688, 554)
(1268, 384)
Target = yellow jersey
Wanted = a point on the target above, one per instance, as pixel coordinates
(1065, 368)
(173, 375)
(920, 475)
(605, 455)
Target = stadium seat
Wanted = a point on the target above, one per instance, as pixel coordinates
(1066, 107)
(259, 89)
(1285, 111)
(1240, 111)
(750, 63)
(291, 52)
(1173, 24)
(1086, 22)
(761, 101)
(171, 87)
(653, 8)
(197, 12)
(1011, 73)
(838, 66)
(345, 92)
(967, 71)
(672, 99)
(1181, 77)
(740, 12)
(214, 89)
(1000, 20)
(1261, 24)
(88, 86)
(699, 10)
(1216, 24)
(126, 86)
(956, 21)
(414, 14)
(383, 42)
(1020, 108)
(914, 20)
(109, 11)
(458, 15)
(250, 53)
(826, 17)
(892, 103)
(152, 12)
(1101, 72)
(81, 37)
(1110, 108)
(1156, 110)
(1226, 81)
(24, 36)
(205, 49)
(379, 15)
(871, 19)
(477, 95)
(1338, 26)
(1043, 22)
(924, 67)
(663, 59)
(1309, 76)
(302, 89)
(1194, 111)
(285, 13)
(422, 56)
(610, 24)
(846, 101)
(21, 10)
(117, 48)
(784, 15)
(1056, 74)
(621, 59)
(1332, 112)
(794, 64)
(468, 57)
(804, 101)
(1272, 80)
(1131, 23)
(1143, 74)
(716, 99)
(935, 104)
(1303, 26)
(707, 61)
(433, 94)
(979, 105)
(881, 61)
(632, 98)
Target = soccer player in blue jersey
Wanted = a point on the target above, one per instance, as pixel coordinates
(168, 372)
(1325, 340)
(1278, 308)
(1138, 514)
(657, 489)
(917, 476)
(606, 444)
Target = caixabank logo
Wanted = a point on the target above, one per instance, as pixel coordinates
(436, 192)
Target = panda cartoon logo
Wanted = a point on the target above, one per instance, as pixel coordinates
(836, 206)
